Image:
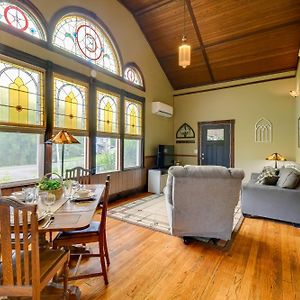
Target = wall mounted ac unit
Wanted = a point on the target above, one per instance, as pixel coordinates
(162, 109)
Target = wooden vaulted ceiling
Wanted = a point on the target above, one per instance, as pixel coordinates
(230, 39)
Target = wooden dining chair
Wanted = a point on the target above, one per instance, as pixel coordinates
(96, 232)
(83, 176)
(25, 269)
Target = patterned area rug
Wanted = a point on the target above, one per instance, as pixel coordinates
(151, 212)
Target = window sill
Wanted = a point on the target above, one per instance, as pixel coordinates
(107, 172)
(120, 171)
(15, 184)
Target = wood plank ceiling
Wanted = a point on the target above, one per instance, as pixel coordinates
(230, 39)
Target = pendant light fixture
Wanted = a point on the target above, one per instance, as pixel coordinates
(184, 58)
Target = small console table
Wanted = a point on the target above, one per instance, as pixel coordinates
(157, 179)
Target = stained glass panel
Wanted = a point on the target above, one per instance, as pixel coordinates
(21, 19)
(69, 105)
(107, 112)
(21, 95)
(133, 117)
(88, 41)
(132, 75)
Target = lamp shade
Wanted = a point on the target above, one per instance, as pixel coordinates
(63, 137)
(184, 54)
(275, 156)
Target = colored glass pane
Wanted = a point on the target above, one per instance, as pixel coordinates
(21, 19)
(21, 95)
(132, 75)
(88, 41)
(107, 112)
(69, 105)
(133, 117)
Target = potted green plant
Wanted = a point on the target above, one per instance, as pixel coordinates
(52, 185)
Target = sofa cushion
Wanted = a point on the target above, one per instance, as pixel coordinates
(288, 178)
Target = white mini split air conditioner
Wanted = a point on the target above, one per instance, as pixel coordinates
(162, 109)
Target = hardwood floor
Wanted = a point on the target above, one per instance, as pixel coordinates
(263, 262)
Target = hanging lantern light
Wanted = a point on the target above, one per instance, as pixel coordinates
(184, 54)
(184, 57)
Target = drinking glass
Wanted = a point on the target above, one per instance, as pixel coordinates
(47, 199)
(68, 189)
(29, 194)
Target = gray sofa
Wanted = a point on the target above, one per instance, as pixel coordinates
(200, 200)
(271, 202)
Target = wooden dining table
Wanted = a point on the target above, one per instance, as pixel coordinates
(75, 214)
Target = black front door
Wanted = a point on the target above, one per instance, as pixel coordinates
(215, 143)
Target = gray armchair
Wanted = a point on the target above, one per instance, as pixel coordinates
(200, 200)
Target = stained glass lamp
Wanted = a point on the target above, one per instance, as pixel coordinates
(63, 137)
(275, 156)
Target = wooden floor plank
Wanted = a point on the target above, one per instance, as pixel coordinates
(263, 262)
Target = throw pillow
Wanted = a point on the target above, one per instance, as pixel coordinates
(270, 180)
(288, 178)
(266, 172)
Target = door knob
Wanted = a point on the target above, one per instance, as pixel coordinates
(202, 156)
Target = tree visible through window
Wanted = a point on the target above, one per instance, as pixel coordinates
(133, 134)
(107, 144)
(21, 109)
(21, 18)
(83, 38)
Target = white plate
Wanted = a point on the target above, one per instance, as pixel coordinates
(90, 197)
(18, 195)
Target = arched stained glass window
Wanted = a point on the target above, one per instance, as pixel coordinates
(21, 18)
(83, 38)
(21, 95)
(108, 112)
(133, 75)
(133, 118)
(70, 105)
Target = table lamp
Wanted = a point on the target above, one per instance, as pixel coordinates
(275, 156)
(63, 137)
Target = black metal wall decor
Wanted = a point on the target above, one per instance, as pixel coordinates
(185, 131)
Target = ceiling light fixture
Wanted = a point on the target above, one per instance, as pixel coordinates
(184, 49)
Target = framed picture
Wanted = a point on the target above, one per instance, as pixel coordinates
(298, 132)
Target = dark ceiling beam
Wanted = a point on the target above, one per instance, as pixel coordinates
(151, 7)
(198, 33)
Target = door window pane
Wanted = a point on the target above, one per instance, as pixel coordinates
(20, 156)
(132, 153)
(75, 155)
(215, 134)
(107, 154)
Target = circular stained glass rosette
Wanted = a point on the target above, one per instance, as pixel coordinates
(89, 42)
(15, 17)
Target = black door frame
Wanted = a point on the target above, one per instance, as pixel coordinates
(231, 123)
